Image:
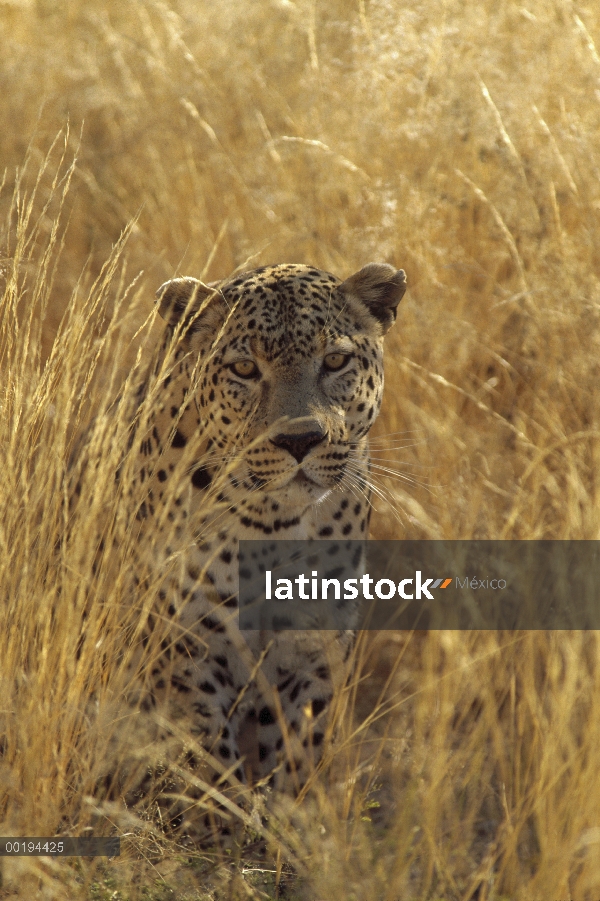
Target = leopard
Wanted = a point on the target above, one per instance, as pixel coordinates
(261, 396)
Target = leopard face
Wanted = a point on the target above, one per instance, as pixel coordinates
(292, 373)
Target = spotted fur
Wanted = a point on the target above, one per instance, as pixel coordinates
(259, 430)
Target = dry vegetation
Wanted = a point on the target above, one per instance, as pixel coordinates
(459, 141)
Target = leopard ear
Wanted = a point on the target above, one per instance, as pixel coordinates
(184, 298)
(380, 288)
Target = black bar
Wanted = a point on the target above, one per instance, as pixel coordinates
(419, 585)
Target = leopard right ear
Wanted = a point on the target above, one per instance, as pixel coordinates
(380, 287)
(184, 299)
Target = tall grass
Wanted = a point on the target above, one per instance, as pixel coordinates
(459, 141)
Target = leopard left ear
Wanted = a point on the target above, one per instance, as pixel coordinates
(380, 288)
(184, 297)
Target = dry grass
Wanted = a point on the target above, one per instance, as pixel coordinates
(459, 141)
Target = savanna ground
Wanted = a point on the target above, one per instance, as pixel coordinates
(457, 140)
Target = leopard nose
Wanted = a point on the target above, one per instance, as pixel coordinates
(298, 445)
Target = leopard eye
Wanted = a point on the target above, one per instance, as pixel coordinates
(335, 361)
(245, 369)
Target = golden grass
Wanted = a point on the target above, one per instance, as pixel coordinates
(459, 141)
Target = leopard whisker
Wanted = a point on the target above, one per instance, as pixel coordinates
(381, 439)
(399, 475)
(352, 483)
(383, 451)
(384, 495)
(392, 461)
